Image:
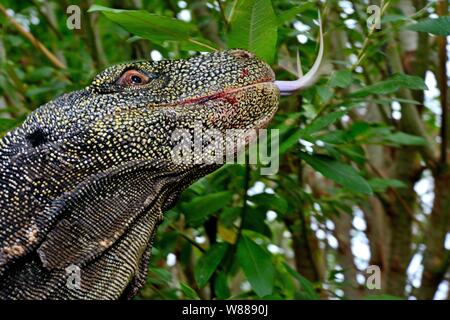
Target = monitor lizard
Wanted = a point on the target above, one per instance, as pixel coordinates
(84, 181)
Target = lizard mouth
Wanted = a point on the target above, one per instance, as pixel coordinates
(226, 94)
(238, 101)
(266, 78)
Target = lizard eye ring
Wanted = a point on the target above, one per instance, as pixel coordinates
(133, 78)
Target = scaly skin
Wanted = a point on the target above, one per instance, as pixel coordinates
(86, 178)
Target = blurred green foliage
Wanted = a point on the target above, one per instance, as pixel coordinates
(225, 243)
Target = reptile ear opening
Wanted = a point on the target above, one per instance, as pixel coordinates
(37, 137)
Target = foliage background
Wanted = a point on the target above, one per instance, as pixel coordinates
(364, 170)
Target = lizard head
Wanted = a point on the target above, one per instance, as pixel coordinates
(147, 101)
(130, 112)
(85, 179)
(102, 156)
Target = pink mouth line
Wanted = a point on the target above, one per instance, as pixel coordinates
(224, 94)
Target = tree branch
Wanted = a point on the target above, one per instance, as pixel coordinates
(442, 10)
(411, 122)
(35, 42)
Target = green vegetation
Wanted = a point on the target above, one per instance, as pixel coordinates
(364, 173)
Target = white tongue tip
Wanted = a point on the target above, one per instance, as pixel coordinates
(289, 87)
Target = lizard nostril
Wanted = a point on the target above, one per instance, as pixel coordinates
(242, 54)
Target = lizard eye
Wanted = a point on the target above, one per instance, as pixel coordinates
(133, 78)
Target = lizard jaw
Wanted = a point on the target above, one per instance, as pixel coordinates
(223, 94)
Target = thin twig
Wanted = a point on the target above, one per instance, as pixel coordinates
(48, 19)
(233, 249)
(35, 42)
(367, 40)
(443, 88)
(244, 202)
(222, 14)
(202, 44)
(394, 192)
(185, 236)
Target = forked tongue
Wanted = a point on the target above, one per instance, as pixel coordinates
(290, 87)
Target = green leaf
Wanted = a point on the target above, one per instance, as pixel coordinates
(254, 27)
(288, 121)
(203, 206)
(354, 152)
(405, 139)
(270, 202)
(325, 94)
(291, 141)
(37, 90)
(391, 85)
(394, 99)
(437, 26)
(393, 18)
(159, 276)
(40, 73)
(339, 172)
(380, 185)
(360, 128)
(341, 79)
(229, 215)
(15, 41)
(323, 122)
(307, 286)
(147, 25)
(290, 14)
(317, 125)
(363, 131)
(208, 263)
(189, 292)
(155, 28)
(221, 286)
(255, 221)
(257, 266)
(7, 124)
(334, 137)
(168, 241)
